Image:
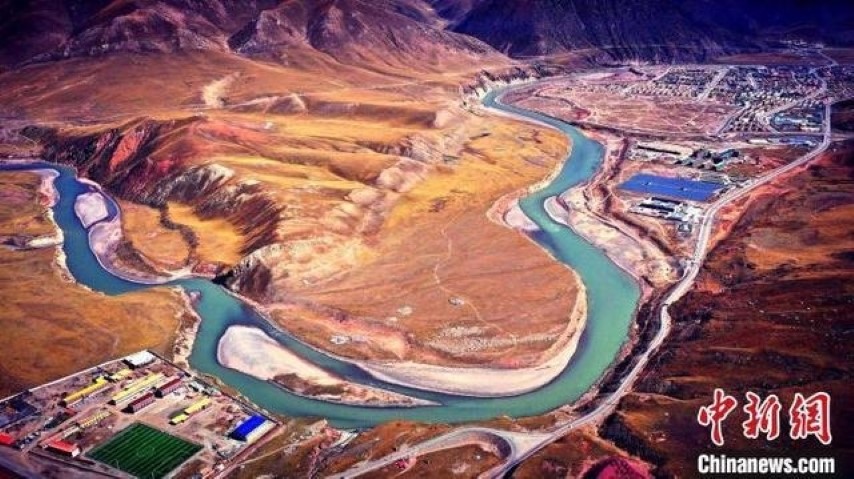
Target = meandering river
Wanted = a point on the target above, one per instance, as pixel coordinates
(612, 297)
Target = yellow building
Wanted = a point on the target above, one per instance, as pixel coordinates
(197, 406)
(100, 383)
(137, 386)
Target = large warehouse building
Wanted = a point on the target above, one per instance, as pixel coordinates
(251, 429)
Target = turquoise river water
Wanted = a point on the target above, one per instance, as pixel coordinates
(611, 294)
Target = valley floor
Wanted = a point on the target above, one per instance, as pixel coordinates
(376, 232)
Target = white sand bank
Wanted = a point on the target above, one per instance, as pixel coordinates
(253, 352)
(90, 208)
(484, 381)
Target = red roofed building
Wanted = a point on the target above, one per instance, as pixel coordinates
(65, 448)
(6, 439)
(168, 387)
(138, 404)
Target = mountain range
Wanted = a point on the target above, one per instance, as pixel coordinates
(405, 32)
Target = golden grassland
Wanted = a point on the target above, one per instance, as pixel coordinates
(52, 327)
(121, 87)
(219, 240)
(437, 244)
(164, 247)
(20, 209)
(154, 87)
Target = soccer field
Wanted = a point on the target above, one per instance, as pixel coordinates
(144, 451)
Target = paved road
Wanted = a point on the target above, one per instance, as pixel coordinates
(511, 445)
(524, 445)
(714, 82)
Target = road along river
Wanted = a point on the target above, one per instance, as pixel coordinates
(612, 298)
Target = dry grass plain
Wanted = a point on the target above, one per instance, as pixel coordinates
(52, 327)
(438, 244)
(21, 210)
(651, 114)
(562, 99)
(221, 241)
(163, 247)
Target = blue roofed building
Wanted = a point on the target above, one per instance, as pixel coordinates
(669, 187)
(251, 429)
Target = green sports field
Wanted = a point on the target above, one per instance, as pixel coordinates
(144, 451)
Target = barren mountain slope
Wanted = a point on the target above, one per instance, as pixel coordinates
(642, 29)
(397, 34)
(405, 35)
(768, 314)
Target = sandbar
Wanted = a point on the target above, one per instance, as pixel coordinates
(90, 208)
(252, 351)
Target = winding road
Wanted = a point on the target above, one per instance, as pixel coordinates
(522, 445)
